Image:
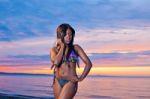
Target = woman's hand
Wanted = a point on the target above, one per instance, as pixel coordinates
(80, 78)
(74, 79)
(60, 42)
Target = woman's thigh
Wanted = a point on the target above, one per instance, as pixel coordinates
(56, 88)
(68, 91)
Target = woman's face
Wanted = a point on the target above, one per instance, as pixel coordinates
(68, 36)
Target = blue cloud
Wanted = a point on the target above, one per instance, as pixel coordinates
(4, 30)
(116, 55)
(26, 60)
(28, 15)
(36, 60)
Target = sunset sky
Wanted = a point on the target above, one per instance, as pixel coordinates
(115, 34)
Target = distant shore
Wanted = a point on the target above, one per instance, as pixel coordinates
(97, 75)
(26, 74)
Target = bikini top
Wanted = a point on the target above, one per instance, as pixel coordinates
(73, 57)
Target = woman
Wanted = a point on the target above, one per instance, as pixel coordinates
(65, 58)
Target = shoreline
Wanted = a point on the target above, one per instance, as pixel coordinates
(8, 96)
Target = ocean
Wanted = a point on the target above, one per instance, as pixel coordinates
(93, 87)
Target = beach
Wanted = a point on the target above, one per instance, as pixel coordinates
(7, 96)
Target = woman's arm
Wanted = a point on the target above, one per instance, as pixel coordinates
(56, 57)
(86, 60)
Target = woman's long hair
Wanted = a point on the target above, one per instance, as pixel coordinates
(61, 33)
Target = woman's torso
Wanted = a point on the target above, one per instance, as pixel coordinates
(67, 69)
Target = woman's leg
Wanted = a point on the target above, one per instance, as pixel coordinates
(56, 88)
(68, 91)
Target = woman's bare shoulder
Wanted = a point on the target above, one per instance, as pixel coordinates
(77, 47)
